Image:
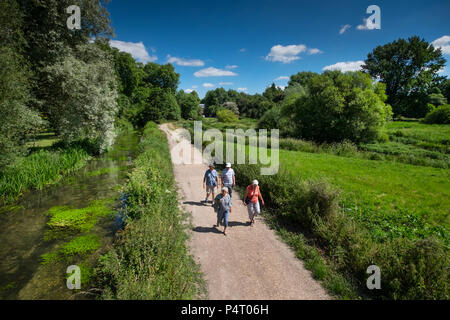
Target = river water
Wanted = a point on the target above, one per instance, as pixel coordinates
(23, 275)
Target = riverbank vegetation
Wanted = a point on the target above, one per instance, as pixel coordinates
(56, 82)
(150, 258)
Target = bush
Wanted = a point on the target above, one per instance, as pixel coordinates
(410, 269)
(226, 115)
(271, 119)
(439, 116)
(232, 106)
(341, 106)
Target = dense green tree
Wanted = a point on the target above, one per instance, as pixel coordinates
(83, 101)
(444, 86)
(48, 38)
(18, 120)
(129, 74)
(161, 76)
(189, 104)
(341, 106)
(215, 97)
(274, 93)
(436, 97)
(301, 78)
(271, 119)
(159, 105)
(211, 110)
(409, 68)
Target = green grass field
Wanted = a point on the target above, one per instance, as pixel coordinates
(390, 199)
(393, 208)
(391, 195)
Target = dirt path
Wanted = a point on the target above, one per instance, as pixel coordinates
(248, 263)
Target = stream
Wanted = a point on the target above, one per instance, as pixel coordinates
(28, 233)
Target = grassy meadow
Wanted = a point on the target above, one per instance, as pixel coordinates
(342, 207)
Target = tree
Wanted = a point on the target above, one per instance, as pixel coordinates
(444, 86)
(436, 97)
(271, 119)
(159, 105)
(189, 104)
(18, 120)
(211, 110)
(232, 106)
(49, 40)
(215, 97)
(83, 101)
(274, 93)
(301, 78)
(162, 76)
(409, 68)
(341, 106)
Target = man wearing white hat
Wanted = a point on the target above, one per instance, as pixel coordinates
(210, 182)
(228, 179)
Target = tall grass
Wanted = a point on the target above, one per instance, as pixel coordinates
(39, 169)
(410, 268)
(150, 259)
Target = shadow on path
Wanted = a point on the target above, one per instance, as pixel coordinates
(207, 230)
(197, 204)
(238, 224)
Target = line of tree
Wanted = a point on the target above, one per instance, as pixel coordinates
(56, 79)
(148, 92)
(399, 79)
(52, 77)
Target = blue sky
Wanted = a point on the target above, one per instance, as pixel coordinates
(247, 45)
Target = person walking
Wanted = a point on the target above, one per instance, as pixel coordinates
(251, 201)
(228, 179)
(224, 208)
(210, 182)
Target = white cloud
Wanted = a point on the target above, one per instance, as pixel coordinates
(242, 89)
(282, 78)
(344, 28)
(443, 43)
(285, 54)
(194, 87)
(243, 50)
(345, 66)
(188, 90)
(314, 51)
(208, 85)
(225, 83)
(213, 72)
(137, 50)
(368, 25)
(185, 62)
(231, 67)
(281, 87)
